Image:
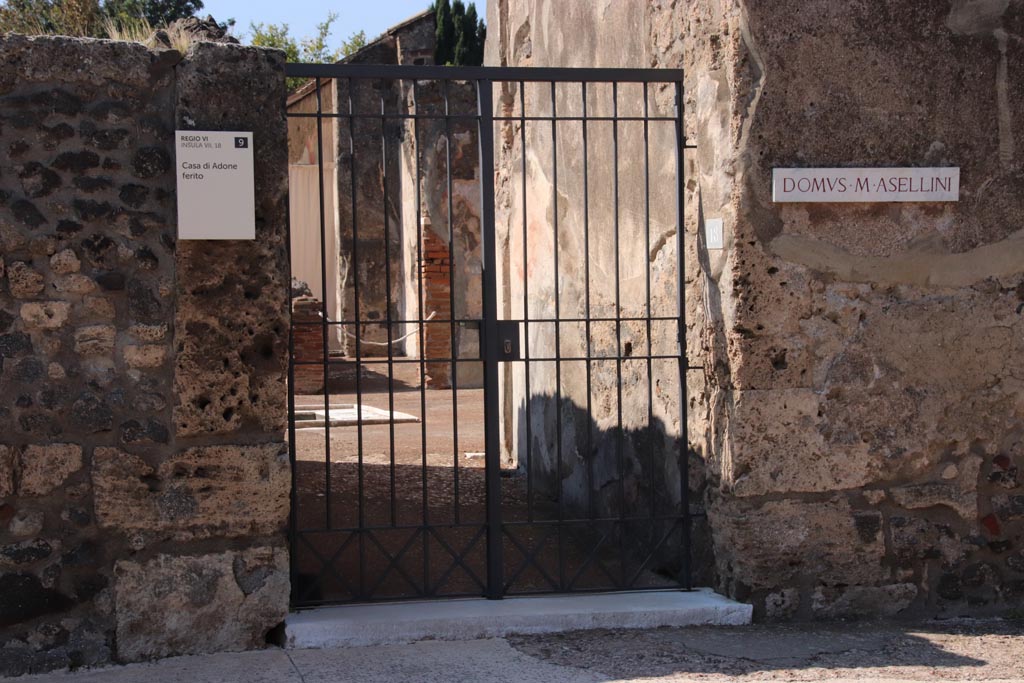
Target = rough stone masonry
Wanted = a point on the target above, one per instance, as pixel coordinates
(144, 477)
(859, 420)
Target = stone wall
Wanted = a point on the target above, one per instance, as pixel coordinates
(859, 418)
(143, 472)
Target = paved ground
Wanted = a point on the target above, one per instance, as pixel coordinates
(933, 651)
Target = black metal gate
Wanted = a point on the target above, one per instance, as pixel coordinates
(501, 345)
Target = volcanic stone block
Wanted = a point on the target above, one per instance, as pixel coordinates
(862, 600)
(27, 213)
(918, 538)
(92, 184)
(777, 543)
(26, 552)
(64, 262)
(95, 340)
(26, 522)
(202, 492)
(24, 281)
(44, 468)
(15, 345)
(37, 180)
(74, 283)
(778, 447)
(27, 370)
(199, 603)
(134, 195)
(150, 162)
(960, 495)
(783, 604)
(143, 303)
(99, 307)
(45, 314)
(92, 413)
(145, 356)
(8, 461)
(148, 333)
(76, 162)
(143, 432)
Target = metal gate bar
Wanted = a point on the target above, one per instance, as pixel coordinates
(330, 558)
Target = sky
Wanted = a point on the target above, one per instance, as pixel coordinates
(372, 16)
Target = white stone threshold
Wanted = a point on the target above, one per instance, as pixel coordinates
(347, 415)
(470, 619)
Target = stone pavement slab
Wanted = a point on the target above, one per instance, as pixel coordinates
(469, 661)
(473, 619)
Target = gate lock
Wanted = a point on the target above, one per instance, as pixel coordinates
(508, 340)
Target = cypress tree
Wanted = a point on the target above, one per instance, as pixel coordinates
(469, 37)
(460, 34)
(462, 46)
(444, 47)
(481, 40)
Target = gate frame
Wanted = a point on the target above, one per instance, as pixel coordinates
(484, 77)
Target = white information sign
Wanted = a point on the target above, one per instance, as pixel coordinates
(216, 193)
(866, 184)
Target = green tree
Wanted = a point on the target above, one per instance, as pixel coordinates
(459, 34)
(275, 36)
(463, 41)
(444, 34)
(355, 42)
(477, 57)
(314, 49)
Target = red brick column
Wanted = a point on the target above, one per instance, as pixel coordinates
(437, 341)
(309, 345)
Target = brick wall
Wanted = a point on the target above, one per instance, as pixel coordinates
(308, 340)
(435, 269)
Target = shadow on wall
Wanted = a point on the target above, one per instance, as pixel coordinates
(608, 472)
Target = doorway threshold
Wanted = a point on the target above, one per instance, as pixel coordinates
(476, 618)
(347, 415)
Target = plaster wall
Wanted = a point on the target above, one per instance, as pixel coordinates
(585, 201)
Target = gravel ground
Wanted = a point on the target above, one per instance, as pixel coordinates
(961, 650)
